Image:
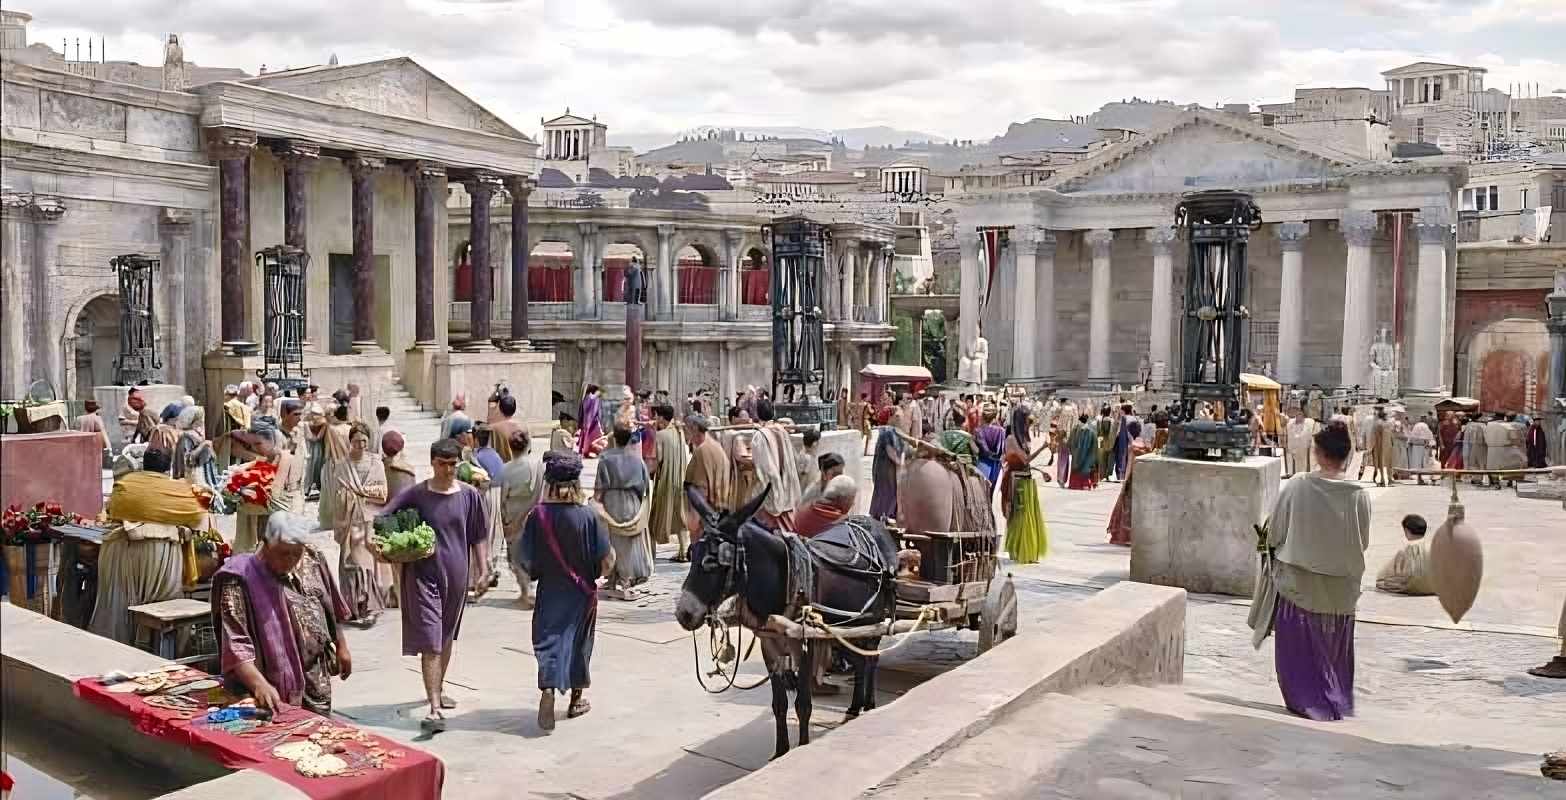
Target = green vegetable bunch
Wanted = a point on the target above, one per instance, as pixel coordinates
(403, 532)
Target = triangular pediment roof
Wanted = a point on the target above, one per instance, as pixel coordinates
(1202, 149)
(395, 86)
(572, 119)
(1425, 66)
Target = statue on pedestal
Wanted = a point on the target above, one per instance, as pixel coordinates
(974, 367)
(1383, 366)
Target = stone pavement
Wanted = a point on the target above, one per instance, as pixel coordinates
(654, 733)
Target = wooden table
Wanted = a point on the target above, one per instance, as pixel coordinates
(165, 620)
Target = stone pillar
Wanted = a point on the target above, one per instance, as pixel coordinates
(1024, 303)
(429, 191)
(299, 159)
(731, 290)
(850, 264)
(600, 249)
(883, 281)
(1555, 303)
(1159, 350)
(728, 355)
(1044, 303)
(481, 188)
(231, 149)
(1098, 309)
(583, 261)
(1430, 300)
(174, 227)
(48, 356)
(666, 278)
(1291, 300)
(16, 256)
(970, 286)
(363, 170)
(1359, 298)
(521, 189)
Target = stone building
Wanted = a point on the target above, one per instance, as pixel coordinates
(348, 163)
(1088, 287)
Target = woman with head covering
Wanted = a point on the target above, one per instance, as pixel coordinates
(1308, 588)
(399, 473)
(192, 451)
(1082, 446)
(1120, 518)
(164, 435)
(1027, 538)
(889, 454)
(361, 489)
(566, 547)
(989, 441)
(589, 421)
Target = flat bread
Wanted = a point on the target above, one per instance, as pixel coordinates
(321, 766)
(295, 751)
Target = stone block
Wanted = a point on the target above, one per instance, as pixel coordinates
(529, 374)
(1191, 521)
(418, 375)
(64, 466)
(371, 372)
(112, 398)
(1128, 633)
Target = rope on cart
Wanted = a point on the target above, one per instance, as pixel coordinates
(813, 618)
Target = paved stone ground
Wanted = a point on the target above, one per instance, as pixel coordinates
(654, 733)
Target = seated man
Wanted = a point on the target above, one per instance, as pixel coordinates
(141, 560)
(279, 620)
(836, 502)
(830, 465)
(1409, 571)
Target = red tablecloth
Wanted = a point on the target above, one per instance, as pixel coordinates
(417, 775)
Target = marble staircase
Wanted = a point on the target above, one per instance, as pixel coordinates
(420, 427)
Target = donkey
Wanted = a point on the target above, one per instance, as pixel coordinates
(853, 569)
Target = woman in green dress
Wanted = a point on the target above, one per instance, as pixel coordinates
(1027, 538)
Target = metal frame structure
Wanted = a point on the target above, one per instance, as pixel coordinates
(799, 252)
(138, 362)
(1217, 226)
(283, 270)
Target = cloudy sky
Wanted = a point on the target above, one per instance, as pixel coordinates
(955, 69)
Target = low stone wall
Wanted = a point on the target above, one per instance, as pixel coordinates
(1128, 633)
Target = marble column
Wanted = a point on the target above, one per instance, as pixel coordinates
(600, 249)
(48, 356)
(1359, 298)
(1098, 309)
(429, 191)
(728, 355)
(1024, 303)
(666, 278)
(521, 189)
(582, 260)
(846, 291)
(1044, 303)
(883, 285)
(481, 188)
(970, 286)
(731, 259)
(231, 149)
(299, 160)
(174, 231)
(1432, 227)
(363, 170)
(16, 256)
(1291, 300)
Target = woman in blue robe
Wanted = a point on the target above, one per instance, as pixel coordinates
(566, 548)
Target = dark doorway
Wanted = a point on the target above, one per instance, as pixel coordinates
(341, 265)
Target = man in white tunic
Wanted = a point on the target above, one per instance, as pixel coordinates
(1299, 432)
(773, 454)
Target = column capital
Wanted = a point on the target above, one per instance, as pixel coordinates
(363, 165)
(1291, 235)
(587, 228)
(733, 346)
(297, 154)
(1432, 225)
(733, 237)
(1359, 227)
(1033, 239)
(224, 144)
(482, 185)
(176, 220)
(1161, 238)
(1099, 239)
(666, 230)
(46, 210)
(428, 174)
(520, 186)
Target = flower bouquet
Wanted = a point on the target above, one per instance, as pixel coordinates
(402, 537)
(20, 526)
(31, 561)
(250, 484)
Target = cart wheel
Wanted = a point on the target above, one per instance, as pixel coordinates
(998, 621)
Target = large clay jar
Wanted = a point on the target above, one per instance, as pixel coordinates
(1456, 563)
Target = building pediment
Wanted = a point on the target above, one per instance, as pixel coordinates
(1420, 67)
(570, 121)
(1204, 150)
(397, 87)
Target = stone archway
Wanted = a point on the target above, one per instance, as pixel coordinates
(1507, 363)
(90, 346)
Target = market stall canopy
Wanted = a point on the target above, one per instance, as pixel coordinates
(1458, 404)
(896, 372)
(1253, 381)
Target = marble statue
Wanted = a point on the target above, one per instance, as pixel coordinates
(974, 366)
(1383, 366)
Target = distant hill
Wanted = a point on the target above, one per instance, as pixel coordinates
(853, 138)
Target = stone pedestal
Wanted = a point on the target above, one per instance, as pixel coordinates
(418, 374)
(1191, 521)
(529, 374)
(371, 371)
(112, 398)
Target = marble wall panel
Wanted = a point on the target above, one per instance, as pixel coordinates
(82, 115)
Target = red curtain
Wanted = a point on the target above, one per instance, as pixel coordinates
(698, 285)
(462, 282)
(548, 284)
(614, 282)
(755, 287)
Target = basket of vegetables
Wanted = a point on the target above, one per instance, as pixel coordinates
(402, 538)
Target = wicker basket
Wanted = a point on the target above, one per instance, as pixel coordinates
(402, 556)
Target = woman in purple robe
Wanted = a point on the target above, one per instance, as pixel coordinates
(434, 590)
(1313, 558)
(279, 620)
(567, 548)
(589, 421)
(990, 441)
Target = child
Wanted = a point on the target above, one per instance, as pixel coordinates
(1409, 571)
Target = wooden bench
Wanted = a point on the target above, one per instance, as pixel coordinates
(163, 622)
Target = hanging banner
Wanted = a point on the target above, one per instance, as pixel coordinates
(991, 240)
